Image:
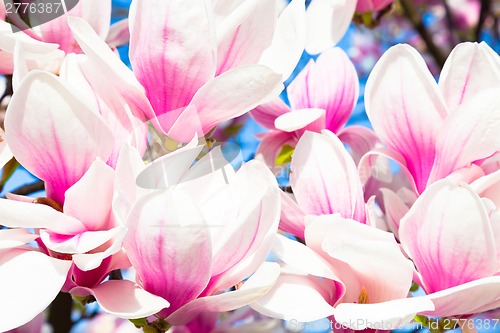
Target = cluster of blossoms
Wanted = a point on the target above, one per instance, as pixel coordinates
(135, 183)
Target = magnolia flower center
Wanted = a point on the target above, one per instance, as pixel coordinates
(363, 296)
(48, 202)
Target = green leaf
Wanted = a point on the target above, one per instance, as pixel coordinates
(285, 156)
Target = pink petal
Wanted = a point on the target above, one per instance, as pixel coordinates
(178, 56)
(303, 259)
(453, 228)
(245, 33)
(167, 230)
(18, 214)
(330, 83)
(11, 238)
(288, 40)
(298, 297)
(119, 34)
(372, 254)
(324, 177)
(327, 22)
(80, 243)
(469, 298)
(89, 200)
(55, 146)
(126, 121)
(474, 127)
(383, 316)
(406, 108)
(258, 215)
(225, 97)
(254, 288)
(124, 299)
(30, 280)
(395, 209)
(270, 147)
(119, 77)
(292, 216)
(265, 114)
(312, 119)
(57, 31)
(359, 139)
(469, 69)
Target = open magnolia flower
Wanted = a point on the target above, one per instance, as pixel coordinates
(344, 262)
(322, 96)
(46, 44)
(202, 66)
(210, 240)
(422, 122)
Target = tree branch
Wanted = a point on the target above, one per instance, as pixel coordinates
(418, 25)
(60, 313)
(29, 188)
(483, 14)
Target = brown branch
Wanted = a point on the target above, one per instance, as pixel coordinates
(418, 25)
(29, 188)
(483, 14)
(60, 313)
(450, 24)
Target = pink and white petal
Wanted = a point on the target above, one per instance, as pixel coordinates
(256, 187)
(292, 219)
(57, 31)
(245, 33)
(395, 209)
(474, 127)
(32, 46)
(166, 229)
(180, 50)
(20, 66)
(469, 69)
(226, 97)
(254, 288)
(312, 119)
(453, 228)
(20, 214)
(124, 299)
(303, 258)
(488, 187)
(381, 268)
(288, 41)
(90, 261)
(169, 169)
(330, 83)
(359, 139)
(80, 243)
(383, 316)
(270, 147)
(265, 114)
(327, 22)
(469, 298)
(375, 164)
(324, 177)
(5, 153)
(89, 199)
(119, 34)
(109, 65)
(53, 133)
(11, 238)
(28, 277)
(406, 108)
(299, 297)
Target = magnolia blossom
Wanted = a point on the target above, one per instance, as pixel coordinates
(322, 96)
(343, 261)
(227, 228)
(327, 22)
(200, 66)
(47, 43)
